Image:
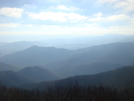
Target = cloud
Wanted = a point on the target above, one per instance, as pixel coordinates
(12, 12)
(52, 0)
(51, 26)
(57, 16)
(88, 29)
(29, 25)
(9, 25)
(107, 1)
(56, 1)
(63, 7)
(109, 18)
(126, 6)
(83, 29)
(98, 14)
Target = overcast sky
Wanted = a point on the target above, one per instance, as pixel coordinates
(73, 17)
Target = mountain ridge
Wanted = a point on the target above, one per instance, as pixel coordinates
(120, 78)
(12, 78)
(114, 53)
(38, 73)
(5, 66)
(36, 55)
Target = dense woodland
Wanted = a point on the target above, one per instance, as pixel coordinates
(79, 88)
(67, 93)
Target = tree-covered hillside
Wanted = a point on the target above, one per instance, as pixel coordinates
(72, 92)
(120, 78)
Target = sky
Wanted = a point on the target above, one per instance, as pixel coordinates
(66, 17)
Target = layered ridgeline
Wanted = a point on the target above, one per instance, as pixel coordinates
(39, 74)
(92, 68)
(7, 48)
(12, 78)
(120, 78)
(67, 63)
(132, 64)
(96, 59)
(27, 75)
(36, 55)
(5, 66)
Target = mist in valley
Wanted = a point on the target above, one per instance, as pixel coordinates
(53, 50)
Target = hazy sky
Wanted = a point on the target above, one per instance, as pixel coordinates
(75, 17)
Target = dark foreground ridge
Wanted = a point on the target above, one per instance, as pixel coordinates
(120, 78)
(68, 93)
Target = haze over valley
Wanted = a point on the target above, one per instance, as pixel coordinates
(39, 63)
(67, 50)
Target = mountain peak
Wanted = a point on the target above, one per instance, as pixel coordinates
(38, 73)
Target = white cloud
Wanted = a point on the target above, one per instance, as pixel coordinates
(110, 18)
(9, 25)
(51, 26)
(126, 6)
(56, 1)
(88, 29)
(63, 7)
(117, 17)
(29, 25)
(57, 16)
(53, 0)
(98, 14)
(107, 1)
(12, 12)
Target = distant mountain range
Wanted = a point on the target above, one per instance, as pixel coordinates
(120, 78)
(35, 55)
(39, 74)
(26, 75)
(37, 64)
(92, 68)
(132, 64)
(67, 42)
(66, 62)
(4, 67)
(120, 54)
(11, 78)
(7, 48)
(88, 41)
